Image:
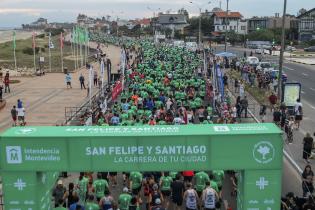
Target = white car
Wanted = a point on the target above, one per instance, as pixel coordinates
(259, 51)
(265, 67)
(180, 44)
(192, 46)
(251, 60)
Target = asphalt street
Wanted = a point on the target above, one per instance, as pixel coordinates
(304, 74)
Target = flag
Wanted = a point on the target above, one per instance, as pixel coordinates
(50, 43)
(14, 44)
(61, 40)
(33, 43)
(102, 68)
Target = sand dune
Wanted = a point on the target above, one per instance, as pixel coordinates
(6, 36)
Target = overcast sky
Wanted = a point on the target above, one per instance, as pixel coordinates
(15, 12)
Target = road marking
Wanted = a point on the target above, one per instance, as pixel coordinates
(304, 74)
(302, 92)
(289, 68)
(308, 104)
(313, 89)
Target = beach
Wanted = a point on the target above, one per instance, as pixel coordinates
(7, 35)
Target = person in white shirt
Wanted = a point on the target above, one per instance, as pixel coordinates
(177, 120)
(191, 196)
(209, 197)
(21, 116)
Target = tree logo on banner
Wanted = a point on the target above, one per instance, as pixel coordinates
(25, 131)
(263, 152)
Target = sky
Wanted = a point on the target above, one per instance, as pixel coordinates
(13, 13)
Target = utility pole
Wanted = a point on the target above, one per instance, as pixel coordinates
(226, 25)
(199, 39)
(282, 50)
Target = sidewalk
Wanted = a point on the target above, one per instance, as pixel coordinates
(46, 97)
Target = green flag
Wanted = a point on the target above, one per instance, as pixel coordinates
(14, 44)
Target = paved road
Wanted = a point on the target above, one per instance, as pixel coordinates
(305, 74)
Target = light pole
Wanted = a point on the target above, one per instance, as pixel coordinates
(153, 19)
(199, 33)
(281, 50)
(226, 25)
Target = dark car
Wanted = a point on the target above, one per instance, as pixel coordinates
(310, 49)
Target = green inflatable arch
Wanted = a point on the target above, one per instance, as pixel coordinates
(31, 157)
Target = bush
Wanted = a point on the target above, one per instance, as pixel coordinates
(54, 31)
(40, 36)
(29, 50)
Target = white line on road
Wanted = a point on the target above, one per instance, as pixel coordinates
(308, 104)
(288, 68)
(304, 74)
(313, 89)
(302, 92)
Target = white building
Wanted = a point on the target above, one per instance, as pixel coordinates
(234, 22)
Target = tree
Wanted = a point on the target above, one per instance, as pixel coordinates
(234, 37)
(263, 150)
(183, 11)
(206, 25)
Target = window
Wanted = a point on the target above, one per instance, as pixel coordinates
(231, 28)
(223, 27)
(234, 28)
(218, 28)
(243, 28)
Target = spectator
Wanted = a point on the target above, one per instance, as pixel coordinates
(262, 113)
(273, 101)
(82, 79)
(307, 147)
(298, 111)
(277, 116)
(14, 115)
(59, 193)
(307, 181)
(1, 92)
(244, 106)
(6, 82)
(68, 80)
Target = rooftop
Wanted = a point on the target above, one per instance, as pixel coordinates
(228, 14)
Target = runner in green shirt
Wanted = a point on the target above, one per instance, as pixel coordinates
(82, 185)
(135, 182)
(90, 205)
(165, 183)
(124, 200)
(218, 177)
(213, 183)
(173, 174)
(200, 179)
(100, 186)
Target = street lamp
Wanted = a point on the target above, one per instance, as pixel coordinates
(199, 7)
(282, 50)
(226, 20)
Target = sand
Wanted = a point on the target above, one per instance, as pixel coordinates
(7, 35)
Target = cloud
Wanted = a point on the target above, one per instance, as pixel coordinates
(28, 11)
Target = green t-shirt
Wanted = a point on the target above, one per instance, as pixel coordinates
(173, 174)
(124, 201)
(214, 185)
(161, 122)
(218, 176)
(100, 185)
(166, 182)
(83, 185)
(91, 206)
(201, 179)
(136, 178)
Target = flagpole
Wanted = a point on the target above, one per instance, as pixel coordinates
(73, 48)
(34, 46)
(90, 85)
(102, 75)
(61, 51)
(49, 46)
(14, 47)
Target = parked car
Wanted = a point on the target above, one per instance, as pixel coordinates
(259, 51)
(180, 44)
(192, 46)
(290, 48)
(310, 49)
(251, 60)
(265, 67)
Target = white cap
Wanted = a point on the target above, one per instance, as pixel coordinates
(125, 189)
(59, 182)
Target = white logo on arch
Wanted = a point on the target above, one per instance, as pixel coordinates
(263, 152)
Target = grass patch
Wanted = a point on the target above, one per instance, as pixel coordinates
(260, 95)
(25, 58)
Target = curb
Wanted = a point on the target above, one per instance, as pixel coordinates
(302, 62)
